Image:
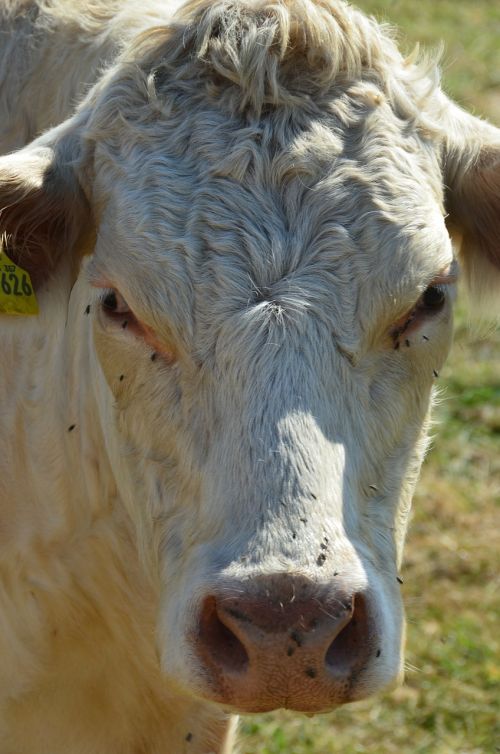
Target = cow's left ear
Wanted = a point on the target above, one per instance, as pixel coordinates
(471, 169)
(43, 208)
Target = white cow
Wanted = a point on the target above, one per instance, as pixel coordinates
(240, 246)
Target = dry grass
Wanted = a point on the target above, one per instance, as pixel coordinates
(450, 701)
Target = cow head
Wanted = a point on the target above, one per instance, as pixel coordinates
(271, 191)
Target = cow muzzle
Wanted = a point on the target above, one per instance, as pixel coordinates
(285, 645)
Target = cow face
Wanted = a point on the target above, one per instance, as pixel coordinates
(270, 295)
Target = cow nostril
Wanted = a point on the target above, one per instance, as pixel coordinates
(351, 645)
(218, 641)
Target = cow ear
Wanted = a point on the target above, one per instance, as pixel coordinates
(42, 204)
(471, 166)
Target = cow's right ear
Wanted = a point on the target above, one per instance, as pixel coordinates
(43, 208)
(471, 168)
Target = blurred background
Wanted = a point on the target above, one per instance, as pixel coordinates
(450, 703)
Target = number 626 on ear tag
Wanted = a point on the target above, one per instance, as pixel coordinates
(16, 291)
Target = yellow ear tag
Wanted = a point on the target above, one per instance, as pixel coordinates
(16, 291)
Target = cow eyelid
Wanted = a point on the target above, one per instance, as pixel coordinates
(113, 303)
(435, 294)
(433, 298)
(116, 310)
(446, 277)
(430, 303)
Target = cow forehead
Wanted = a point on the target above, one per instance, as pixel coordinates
(228, 213)
(262, 147)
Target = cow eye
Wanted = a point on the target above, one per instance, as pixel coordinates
(430, 303)
(114, 303)
(433, 298)
(116, 310)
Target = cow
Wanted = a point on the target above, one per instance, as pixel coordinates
(242, 222)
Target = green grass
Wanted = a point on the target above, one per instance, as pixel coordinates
(450, 702)
(470, 30)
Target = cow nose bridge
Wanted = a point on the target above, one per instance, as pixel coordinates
(291, 456)
(259, 652)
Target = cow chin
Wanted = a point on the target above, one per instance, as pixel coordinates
(285, 642)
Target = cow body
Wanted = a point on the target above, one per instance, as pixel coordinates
(212, 431)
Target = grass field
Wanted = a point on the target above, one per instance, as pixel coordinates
(450, 703)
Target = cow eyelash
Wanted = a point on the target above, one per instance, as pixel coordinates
(118, 313)
(116, 308)
(113, 303)
(430, 304)
(433, 298)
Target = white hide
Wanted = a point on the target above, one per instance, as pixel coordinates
(269, 209)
